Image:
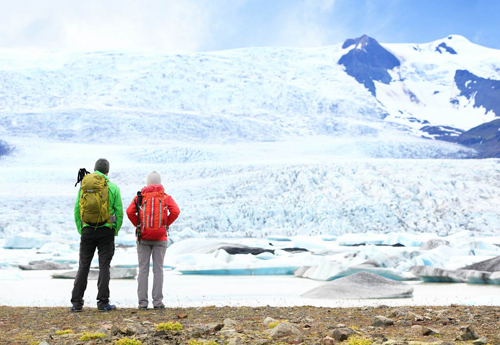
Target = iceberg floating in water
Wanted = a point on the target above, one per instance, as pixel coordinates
(244, 271)
(361, 285)
(203, 256)
(483, 272)
(185, 234)
(115, 273)
(330, 271)
(42, 265)
(490, 265)
(439, 275)
(26, 240)
(478, 277)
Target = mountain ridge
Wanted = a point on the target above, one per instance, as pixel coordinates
(255, 94)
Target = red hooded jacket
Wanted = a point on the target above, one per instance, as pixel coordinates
(173, 209)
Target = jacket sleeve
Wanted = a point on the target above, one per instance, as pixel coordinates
(77, 213)
(118, 208)
(173, 210)
(132, 212)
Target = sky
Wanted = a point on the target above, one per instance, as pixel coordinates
(180, 26)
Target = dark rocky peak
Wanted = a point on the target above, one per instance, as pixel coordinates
(368, 61)
(443, 47)
(486, 92)
(485, 139)
(5, 149)
(360, 42)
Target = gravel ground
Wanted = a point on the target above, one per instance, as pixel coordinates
(248, 325)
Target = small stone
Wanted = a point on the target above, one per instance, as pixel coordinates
(227, 333)
(309, 319)
(235, 341)
(417, 328)
(429, 331)
(128, 320)
(262, 341)
(399, 312)
(44, 343)
(328, 341)
(107, 326)
(147, 323)
(284, 329)
(228, 323)
(213, 328)
(341, 325)
(115, 330)
(140, 330)
(102, 330)
(480, 341)
(182, 316)
(342, 334)
(468, 333)
(268, 320)
(380, 336)
(382, 321)
(415, 317)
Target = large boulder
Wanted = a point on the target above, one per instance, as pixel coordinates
(361, 285)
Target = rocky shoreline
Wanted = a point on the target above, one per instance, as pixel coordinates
(252, 325)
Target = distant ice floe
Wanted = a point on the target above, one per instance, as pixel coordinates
(26, 240)
(399, 257)
(483, 272)
(115, 273)
(315, 258)
(361, 285)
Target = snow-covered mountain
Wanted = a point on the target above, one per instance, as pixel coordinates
(260, 141)
(356, 89)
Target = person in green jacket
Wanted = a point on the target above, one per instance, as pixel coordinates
(102, 237)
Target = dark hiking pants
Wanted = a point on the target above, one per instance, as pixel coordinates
(102, 238)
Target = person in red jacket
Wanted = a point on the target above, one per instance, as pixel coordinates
(155, 213)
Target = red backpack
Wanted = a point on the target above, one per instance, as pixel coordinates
(152, 211)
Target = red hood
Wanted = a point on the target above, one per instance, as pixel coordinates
(153, 188)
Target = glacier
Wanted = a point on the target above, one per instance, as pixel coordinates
(261, 147)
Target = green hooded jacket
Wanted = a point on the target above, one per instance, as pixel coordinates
(115, 207)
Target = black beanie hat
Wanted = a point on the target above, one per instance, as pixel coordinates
(102, 165)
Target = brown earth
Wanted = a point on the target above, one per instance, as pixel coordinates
(30, 325)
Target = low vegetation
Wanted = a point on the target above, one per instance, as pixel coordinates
(86, 336)
(169, 326)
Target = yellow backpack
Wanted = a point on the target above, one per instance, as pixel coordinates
(94, 200)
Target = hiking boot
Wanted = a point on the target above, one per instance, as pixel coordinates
(76, 309)
(109, 307)
(142, 307)
(161, 306)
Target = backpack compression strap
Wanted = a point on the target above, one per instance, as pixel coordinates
(138, 204)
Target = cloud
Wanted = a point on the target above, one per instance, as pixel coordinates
(158, 25)
(306, 25)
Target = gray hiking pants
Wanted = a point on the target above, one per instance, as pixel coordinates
(145, 250)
